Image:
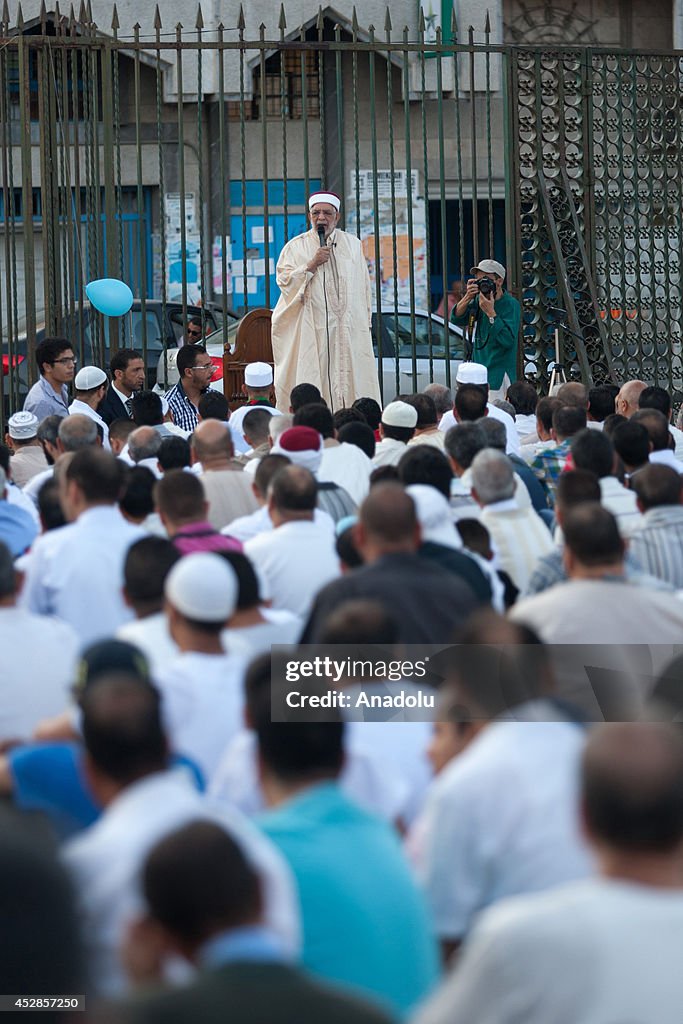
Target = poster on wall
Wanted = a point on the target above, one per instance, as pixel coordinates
(390, 260)
(177, 209)
(174, 269)
(217, 266)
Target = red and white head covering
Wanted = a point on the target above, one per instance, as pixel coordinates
(302, 445)
(324, 197)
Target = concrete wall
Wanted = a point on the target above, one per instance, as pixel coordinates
(634, 24)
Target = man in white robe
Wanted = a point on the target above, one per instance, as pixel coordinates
(321, 323)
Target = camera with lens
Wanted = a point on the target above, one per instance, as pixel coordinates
(486, 286)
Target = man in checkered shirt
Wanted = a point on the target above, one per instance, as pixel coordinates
(195, 370)
(567, 421)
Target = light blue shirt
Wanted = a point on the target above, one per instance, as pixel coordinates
(76, 573)
(42, 400)
(252, 942)
(364, 921)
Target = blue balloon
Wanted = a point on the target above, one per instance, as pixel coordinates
(110, 296)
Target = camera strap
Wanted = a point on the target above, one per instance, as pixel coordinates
(473, 311)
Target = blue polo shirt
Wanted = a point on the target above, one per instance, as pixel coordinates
(43, 401)
(48, 777)
(364, 921)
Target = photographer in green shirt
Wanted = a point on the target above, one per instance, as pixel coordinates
(496, 317)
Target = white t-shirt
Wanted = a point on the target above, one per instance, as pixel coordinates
(38, 660)
(608, 640)
(295, 561)
(678, 438)
(237, 418)
(525, 423)
(594, 952)
(364, 779)
(280, 627)
(76, 573)
(621, 502)
(105, 861)
(667, 458)
(83, 409)
(202, 704)
(246, 527)
(502, 819)
(388, 452)
(32, 489)
(512, 447)
(152, 637)
(347, 466)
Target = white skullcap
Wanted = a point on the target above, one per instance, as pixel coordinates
(472, 373)
(89, 377)
(399, 414)
(258, 375)
(324, 197)
(22, 426)
(434, 515)
(203, 587)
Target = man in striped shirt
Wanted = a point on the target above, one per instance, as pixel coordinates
(195, 370)
(658, 543)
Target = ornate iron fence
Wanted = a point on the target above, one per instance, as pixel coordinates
(599, 140)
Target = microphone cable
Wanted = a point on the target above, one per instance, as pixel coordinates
(321, 236)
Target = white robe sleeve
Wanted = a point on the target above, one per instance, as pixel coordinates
(293, 278)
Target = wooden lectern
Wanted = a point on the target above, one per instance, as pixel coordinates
(252, 345)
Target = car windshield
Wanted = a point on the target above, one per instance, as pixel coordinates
(131, 334)
(399, 329)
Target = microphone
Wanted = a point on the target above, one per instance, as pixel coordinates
(321, 235)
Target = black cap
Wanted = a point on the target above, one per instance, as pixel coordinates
(110, 656)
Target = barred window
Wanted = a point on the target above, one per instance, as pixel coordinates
(286, 87)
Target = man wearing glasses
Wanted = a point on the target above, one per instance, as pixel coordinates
(194, 332)
(195, 371)
(56, 365)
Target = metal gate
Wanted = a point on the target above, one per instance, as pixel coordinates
(598, 200)
(185, 155)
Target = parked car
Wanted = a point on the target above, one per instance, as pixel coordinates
(403, 335)
(398, 342)
(167, 371)
(165, 324)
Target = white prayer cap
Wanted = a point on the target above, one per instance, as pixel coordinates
(434, 515)
(472, 373)
(489, 267)
(399, 414)
(324, 197)
(22, 426)
(258, 375)
(202, 587)
(89, 377)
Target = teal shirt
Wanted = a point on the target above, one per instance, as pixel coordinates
(365, 924)
(495, 345)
